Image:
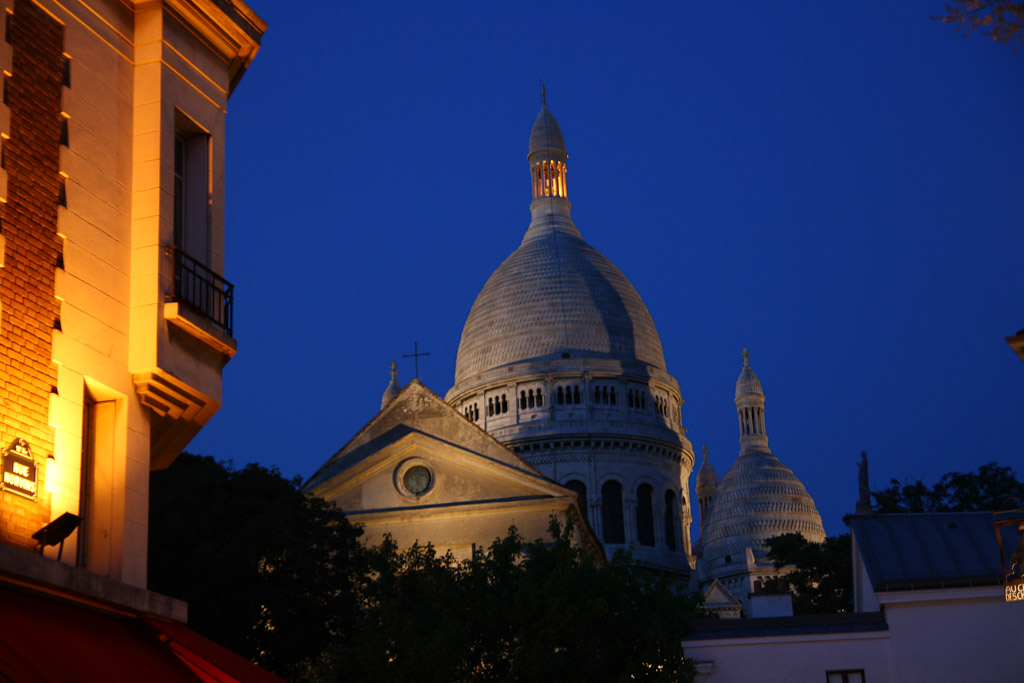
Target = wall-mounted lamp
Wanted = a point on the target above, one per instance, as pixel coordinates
(55, 532)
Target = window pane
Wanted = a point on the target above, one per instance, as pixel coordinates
(611, 512)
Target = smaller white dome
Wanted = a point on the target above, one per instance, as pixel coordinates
(394, 388)
(748, 384)
(707, 478)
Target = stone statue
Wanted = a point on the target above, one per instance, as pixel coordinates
(864, 503)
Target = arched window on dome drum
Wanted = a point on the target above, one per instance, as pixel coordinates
(522, 400)
(644, 515)
(611, 512)
(529, 399)
(504, 404)
(670, 519)
(580, 489)
(576, 395)
(490, 407)
(540, 398)
(612, 395)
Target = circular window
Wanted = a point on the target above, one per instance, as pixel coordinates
(416, 479)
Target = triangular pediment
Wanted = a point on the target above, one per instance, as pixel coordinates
(718, 598)
(463, 464)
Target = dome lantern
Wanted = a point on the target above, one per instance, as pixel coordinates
(750, 410)
(547, 155)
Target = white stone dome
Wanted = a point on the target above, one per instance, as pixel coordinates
(393, 389)
(707, 478)
(757, 499)
(747, 384)
(556, 295)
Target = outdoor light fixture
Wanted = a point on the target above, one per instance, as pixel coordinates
(1010, 535)
(56, 531)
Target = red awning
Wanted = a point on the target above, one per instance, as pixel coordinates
(210, 661)
(44, 639)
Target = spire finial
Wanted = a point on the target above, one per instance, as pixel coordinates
(543, 94)
(746, 358)
(394, 370)
(705, 451)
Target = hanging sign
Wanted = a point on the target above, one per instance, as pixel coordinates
(19, 470)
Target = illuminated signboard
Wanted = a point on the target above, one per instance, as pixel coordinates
(1010, 535)
(19, 470)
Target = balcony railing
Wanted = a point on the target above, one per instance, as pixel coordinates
(202, 290)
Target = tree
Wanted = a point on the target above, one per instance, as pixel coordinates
(823, 574)
(990, 488)
(514, 612)
(1001, 20)
(267, 572)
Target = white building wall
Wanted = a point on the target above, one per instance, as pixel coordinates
(792, 658)
(953, 635)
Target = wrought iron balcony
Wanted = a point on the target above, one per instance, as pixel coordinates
(202, 290)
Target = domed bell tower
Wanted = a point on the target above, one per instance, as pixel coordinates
(561, 362)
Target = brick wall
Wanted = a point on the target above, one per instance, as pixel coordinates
(28, 308)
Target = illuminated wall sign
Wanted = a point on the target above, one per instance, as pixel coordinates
(1015, 591)
(19, 470)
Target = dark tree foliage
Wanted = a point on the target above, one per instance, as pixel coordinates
(990, 488)
(823, 578)
(1000, 20)
(267, 572)
(515, 612)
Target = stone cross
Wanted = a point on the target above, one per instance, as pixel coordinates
(415, 355)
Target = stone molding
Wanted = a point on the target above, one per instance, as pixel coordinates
(168, 396)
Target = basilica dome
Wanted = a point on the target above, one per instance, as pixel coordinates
(556, 297)
(758, 498)
(560, 362)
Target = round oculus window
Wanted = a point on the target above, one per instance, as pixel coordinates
(416, 479)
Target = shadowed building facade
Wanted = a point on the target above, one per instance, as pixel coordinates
(115, 319)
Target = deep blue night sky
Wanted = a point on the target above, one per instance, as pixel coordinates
(836, 186)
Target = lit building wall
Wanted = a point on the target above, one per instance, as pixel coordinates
(114, 316)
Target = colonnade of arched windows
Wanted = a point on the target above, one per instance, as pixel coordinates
(600, 394)
(549, 179)
(613, 519)
(497, 405)
(605, 395)
(636, 398)
(529, 399)
(570, 395)
(472, 412)
(752, 420)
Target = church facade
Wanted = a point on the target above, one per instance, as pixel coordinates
(560, 364)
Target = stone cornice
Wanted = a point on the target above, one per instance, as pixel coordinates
(228, 27)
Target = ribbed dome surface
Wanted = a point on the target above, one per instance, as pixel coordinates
(758, 498)
(546, 135)
(554, 295)
(748, 383)
(707, 478)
